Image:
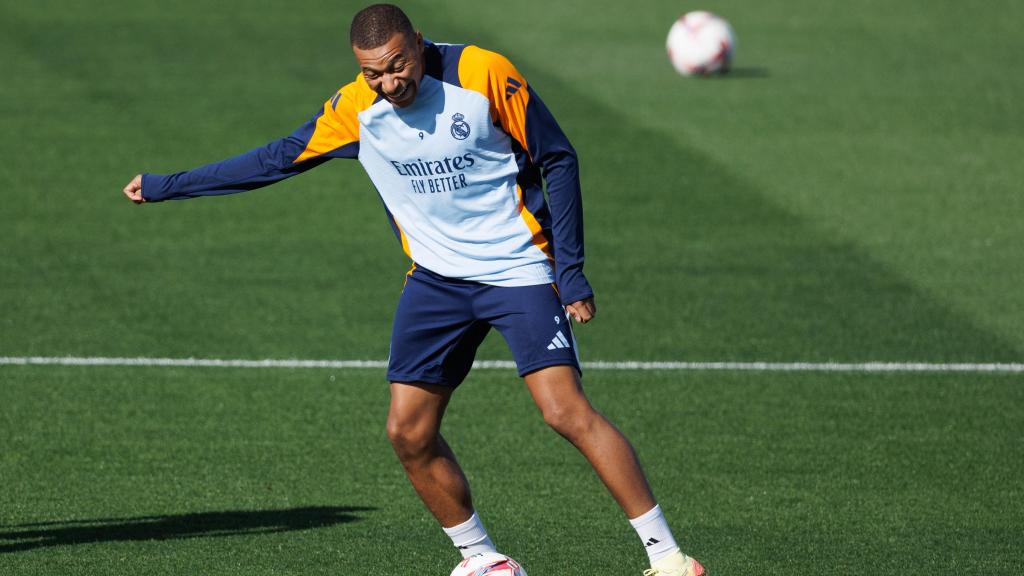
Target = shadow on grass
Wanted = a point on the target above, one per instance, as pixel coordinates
(199, 525)
(745, 72)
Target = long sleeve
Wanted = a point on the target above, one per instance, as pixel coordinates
(332, 133)
(546, 154)
(551, 150)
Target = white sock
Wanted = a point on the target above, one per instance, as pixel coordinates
(655, 534)
(470, 537)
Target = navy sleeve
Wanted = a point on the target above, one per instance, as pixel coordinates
(253, 169)
(550, 149)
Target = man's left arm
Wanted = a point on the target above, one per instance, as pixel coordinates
(522, 114)
(551, 150)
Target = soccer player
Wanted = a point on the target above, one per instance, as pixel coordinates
(459, 145)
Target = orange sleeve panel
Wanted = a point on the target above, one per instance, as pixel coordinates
(339, 124)
(492, 75)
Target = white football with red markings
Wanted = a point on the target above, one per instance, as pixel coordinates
(700, 43)
(488, 564)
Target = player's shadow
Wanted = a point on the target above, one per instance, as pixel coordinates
(22, 537)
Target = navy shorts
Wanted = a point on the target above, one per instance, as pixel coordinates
(441, 321)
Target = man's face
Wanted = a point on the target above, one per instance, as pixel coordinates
(394, 70)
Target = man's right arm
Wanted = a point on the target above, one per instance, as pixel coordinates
(332, 133)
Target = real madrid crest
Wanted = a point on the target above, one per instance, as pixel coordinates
(460, 129)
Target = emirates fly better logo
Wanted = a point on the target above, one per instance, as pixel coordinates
(460, 129)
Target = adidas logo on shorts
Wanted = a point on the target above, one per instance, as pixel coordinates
(558, 341)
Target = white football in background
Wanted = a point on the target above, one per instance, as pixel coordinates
(700, 43)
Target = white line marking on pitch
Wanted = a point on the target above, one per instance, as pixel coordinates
(505, 364)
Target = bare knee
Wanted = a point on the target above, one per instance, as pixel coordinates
(571, 420)
(558, 393)
(414, 419)
(410, 439)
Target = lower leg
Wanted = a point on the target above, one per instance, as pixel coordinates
(438, 480)
(615, 463)
(558, 394)
(414, 422)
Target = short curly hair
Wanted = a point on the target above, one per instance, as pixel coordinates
(374, 25)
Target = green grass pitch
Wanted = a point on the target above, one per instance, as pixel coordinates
(850, 193)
